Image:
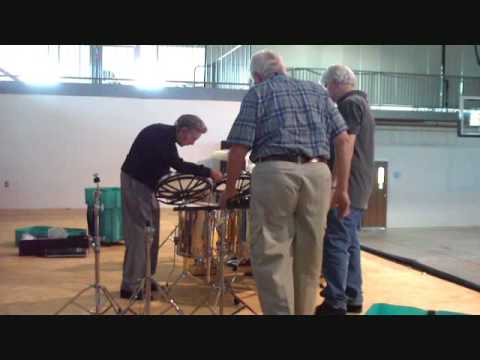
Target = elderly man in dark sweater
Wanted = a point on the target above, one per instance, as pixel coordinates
(151, 156)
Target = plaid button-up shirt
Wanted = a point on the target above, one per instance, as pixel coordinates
(283, 116)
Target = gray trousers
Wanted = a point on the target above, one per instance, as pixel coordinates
(139, 206)
(289, 208)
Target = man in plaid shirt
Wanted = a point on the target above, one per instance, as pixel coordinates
(289, 126)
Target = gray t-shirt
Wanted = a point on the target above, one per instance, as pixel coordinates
(356, 111)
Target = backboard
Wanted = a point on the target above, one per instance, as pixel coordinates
(469, 121)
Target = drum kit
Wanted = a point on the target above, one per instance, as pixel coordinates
(208, 235)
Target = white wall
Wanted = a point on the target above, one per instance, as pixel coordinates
(51, 145)
(433, 177)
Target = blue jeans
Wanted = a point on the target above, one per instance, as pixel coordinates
(341, 257)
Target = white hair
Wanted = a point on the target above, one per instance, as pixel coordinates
(341, 74)
(267, 63)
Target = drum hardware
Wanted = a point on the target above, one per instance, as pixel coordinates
(99, 289)
(181, 190)
(221, 287)
(186, 273)
(227, 238)
(218, 287)
(227, 286)
(170, 237)
(194, 234)
(236, 220)
(145, 284)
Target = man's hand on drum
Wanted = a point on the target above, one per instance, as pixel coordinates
(227, 195)
(216, 175)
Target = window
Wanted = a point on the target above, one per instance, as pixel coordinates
(181, 61)
(474, 118)
(74, 62)
(172, 64)
(31, 63)
(146, 66)
(381, 177)
(45, 64)
(118, 62)
(153, 66)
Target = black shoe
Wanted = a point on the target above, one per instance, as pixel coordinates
(327, 310)
(355, 309)
(127, 294)
(154, 287)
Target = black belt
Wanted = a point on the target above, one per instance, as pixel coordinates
(299, 159)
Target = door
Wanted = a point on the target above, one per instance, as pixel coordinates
(376, 215)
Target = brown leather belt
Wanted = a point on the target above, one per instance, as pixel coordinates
(298, 159)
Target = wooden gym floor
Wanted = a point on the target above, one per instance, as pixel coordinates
(33, 285)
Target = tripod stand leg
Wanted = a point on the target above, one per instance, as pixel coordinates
(133, 298)
(238, 300)
(72, 301)
(202, 304)
(111, 300)
(167, 238)
(182, 276)
(167, 293)
(171, 302)
(97, 311)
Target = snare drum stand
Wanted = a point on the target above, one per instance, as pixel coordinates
(224, 287)
(180, 190)
(99, 289)
(209, 228)
(236, 299)
(146, 282)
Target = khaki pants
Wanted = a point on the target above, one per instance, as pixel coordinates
(289, 207)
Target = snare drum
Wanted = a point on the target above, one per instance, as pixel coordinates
(192, 236)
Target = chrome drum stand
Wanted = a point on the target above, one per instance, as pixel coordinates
(145, 285)
(100, 290)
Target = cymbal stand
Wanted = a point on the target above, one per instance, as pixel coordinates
(99, 289)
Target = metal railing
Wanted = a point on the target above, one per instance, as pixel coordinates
(113, 81)
(417, 91)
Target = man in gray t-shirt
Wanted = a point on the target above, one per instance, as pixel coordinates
(342, 266)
